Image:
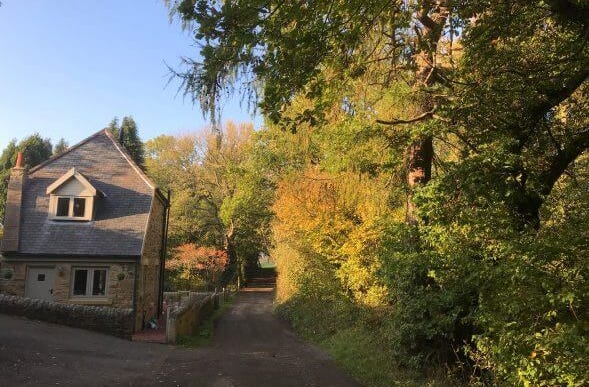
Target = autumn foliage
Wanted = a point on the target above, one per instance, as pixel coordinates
(199, 264)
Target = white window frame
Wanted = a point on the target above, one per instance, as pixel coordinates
(88, 209)
(89, 282)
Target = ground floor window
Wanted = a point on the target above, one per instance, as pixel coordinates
(89, 281)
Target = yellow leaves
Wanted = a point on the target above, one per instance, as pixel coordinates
(334, 217)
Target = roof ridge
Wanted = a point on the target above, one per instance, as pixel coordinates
(57, 156)
(118, 146)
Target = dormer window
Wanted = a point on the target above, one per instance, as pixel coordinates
(71, 207)
(72, 197)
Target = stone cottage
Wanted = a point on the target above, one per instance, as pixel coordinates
(86, 227)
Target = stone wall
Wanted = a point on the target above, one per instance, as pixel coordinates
(113, 321)
(149, 269)
(147, 295)
(13, 278)
(184, 320)
(153, 245)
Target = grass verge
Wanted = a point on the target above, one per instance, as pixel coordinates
(358, 351)
(206, 329)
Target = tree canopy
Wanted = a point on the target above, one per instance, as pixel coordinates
(35, 150)
(425, 163)
(220, 195)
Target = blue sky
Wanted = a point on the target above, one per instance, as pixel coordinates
(68, 67)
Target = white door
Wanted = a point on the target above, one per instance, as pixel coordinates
(40, 283)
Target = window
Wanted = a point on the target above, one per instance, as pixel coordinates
(71, 197)
(89, 282)
(63, 206)
(79, 207)
(70, 207)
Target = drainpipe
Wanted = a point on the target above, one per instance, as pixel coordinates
(135, 275)
(163, 253)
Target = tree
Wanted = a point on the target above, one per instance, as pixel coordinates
(35, 150)
(221, 196)
(199, 264)
(251, 40)
(7, 160)
(128, 134)
(477, 111)
(61, 146)
(286, 47)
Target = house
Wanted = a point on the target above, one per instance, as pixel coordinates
(86, 227)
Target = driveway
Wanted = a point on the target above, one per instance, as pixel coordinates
(251, 347)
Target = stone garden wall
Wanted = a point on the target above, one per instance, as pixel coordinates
(113, 321)
(184, 318)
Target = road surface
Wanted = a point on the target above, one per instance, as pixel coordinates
(250, 347)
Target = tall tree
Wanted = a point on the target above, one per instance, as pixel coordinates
(127, 133)
(282, 48)
(495, 118)
(285, 46)
(61, 146)
(35, 150)
(6, 163)
(220, 194)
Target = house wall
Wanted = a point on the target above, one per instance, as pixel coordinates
(149, 268)
(146, 303)
(119, 291)
(12, 278)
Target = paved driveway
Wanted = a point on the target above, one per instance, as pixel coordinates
(251, 347)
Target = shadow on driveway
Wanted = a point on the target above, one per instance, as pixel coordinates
(251, 347)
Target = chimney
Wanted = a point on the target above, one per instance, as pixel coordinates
(12, 213)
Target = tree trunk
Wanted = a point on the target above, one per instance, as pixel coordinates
(421, 153)
(419, 172)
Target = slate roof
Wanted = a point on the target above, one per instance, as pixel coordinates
(121, 216)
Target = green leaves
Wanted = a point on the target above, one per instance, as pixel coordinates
(491, 278)
(128, 133)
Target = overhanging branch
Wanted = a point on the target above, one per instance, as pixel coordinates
(420, 117)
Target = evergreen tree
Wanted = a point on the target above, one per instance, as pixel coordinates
(113, 127)
(60, 147)
(129, 138)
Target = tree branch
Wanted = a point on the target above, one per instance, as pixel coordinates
(420, 117)
(562, 159)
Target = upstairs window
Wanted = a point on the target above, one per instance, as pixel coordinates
(72, 197)
(63, 207)
(79, 207)
(70, 207)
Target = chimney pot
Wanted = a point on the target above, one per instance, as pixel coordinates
(19, 160)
